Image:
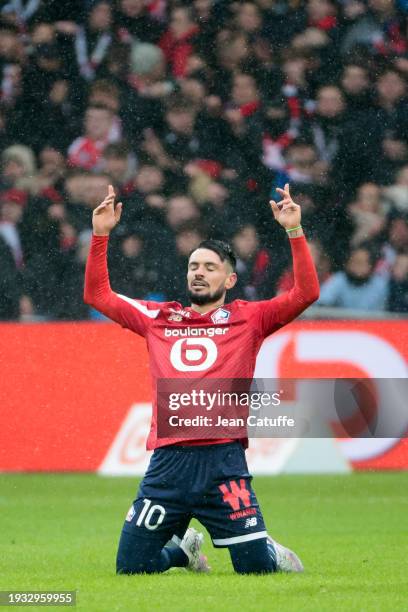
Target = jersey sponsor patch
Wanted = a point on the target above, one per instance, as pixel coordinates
(182, 313)
(220, 316)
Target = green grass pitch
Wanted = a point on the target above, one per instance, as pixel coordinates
(61, 532)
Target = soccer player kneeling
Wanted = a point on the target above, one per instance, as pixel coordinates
(193, 478)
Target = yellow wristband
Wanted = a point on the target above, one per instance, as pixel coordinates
(293, 229)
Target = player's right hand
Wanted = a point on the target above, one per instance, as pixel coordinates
(106, 215)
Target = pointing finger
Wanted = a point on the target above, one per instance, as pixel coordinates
(111, 192)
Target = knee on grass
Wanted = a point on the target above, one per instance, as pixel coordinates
(253, 557)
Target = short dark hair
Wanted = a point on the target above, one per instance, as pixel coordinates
(223, 250)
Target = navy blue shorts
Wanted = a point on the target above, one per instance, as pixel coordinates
(209, 483)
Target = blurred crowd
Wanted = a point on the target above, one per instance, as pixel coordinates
(195, 112)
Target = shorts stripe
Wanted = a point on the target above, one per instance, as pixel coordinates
(238, 539)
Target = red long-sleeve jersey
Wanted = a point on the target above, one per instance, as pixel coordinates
(183, 343)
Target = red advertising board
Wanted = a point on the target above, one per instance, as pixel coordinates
(66, 388)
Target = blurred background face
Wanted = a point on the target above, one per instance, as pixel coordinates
(8, 44)
(149, 179)
(52, 162)
(100, 17)
(116, 167)
(368, 197)
(231, 52)
(96, 189)
(13, 170)
(132, 246)
(249, 18)
(302, 157)
(180, 21)
(98, 122)
(132, 8)
(355, 80)
(179, 210)
(318, 9)
(330, 102)
(43, 33)
(398, 234)
(391, 87)
(244, 90)
(359, 265)
(11, 212)
(400, 268)
(382, 6)
(181, 120)
(187, 240)
(246, 242)
(294, 69)
(203, 7)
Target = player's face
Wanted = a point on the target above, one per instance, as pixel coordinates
(208, 278)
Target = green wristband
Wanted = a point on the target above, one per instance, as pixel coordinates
(293, 229)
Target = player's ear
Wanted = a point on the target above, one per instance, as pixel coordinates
(231, 280)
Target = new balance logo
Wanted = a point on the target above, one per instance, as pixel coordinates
(251, 522)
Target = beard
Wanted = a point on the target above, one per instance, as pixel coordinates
(202, 299)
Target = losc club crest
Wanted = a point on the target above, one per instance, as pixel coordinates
(175, 316)
(220, 316)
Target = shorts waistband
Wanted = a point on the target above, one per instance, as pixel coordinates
(197, 448)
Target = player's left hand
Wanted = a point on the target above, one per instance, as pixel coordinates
(286, 212)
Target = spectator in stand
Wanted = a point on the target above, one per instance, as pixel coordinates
(368, 213)
(134, 22)
(398, 298)
(180, 210)
(253, 265)
(51, 173)
(12, 206)
(357, 90)
(325, 128)
(145, 202)
(184, 138)
(100, 130)
(177, 42)
(397, 194)
(390, 122)
(359, 287)
(135, 272)
(10, 284)
(120, 163)
(19, 168)
(396, 241)
(301, 160)
(93, 40)
(245, 120)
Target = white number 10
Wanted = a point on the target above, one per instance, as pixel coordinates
(149, 515)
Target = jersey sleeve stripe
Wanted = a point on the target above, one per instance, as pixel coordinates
(152, 314)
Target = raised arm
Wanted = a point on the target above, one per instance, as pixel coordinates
(282, 309)
(134, 314)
